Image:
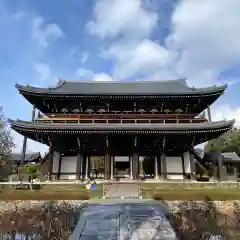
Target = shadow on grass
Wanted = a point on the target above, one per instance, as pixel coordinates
(203, 219)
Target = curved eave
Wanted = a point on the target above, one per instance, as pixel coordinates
(51, 92)
(221, 126)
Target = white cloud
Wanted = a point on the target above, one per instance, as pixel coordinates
(102, 77)
(220, 112)
(43, 69)
(43, 33)
(126, 17)
(145, 57)
(208, 33)
(203, 41)
(19, 15)
(88, 74)
(84, 57)
(85, 73)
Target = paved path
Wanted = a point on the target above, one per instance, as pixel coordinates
(123, 221)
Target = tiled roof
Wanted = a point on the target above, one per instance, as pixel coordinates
(231, 157)
(171, 87)
(30, 157)
(118, 126)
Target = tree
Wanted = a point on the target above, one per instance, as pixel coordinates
(6, 142)
(32, 169)
(228, 142)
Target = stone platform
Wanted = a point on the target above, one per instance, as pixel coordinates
(124, 221)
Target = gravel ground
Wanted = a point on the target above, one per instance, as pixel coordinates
(56, 219)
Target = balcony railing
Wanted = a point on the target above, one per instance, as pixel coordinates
(123, 116)
(122, 121)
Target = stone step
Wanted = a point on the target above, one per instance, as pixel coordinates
(121, 190)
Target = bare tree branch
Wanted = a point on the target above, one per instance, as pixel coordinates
(6, 142)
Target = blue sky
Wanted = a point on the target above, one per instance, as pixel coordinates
(42, 41)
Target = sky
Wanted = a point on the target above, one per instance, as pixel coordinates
(107, 40)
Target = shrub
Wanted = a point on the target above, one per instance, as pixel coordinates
(157, 196)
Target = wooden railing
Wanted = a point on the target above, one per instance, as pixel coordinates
(122, 121)
(123, 116)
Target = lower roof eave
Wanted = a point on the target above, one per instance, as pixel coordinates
(164, 128)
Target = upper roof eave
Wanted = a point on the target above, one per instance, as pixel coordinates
(172, 87)
(18, 124)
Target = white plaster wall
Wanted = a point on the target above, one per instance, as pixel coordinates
(68, 177)
(56, 157)
(69, 164)
(121, 158)
(174, 165)
(187, 165)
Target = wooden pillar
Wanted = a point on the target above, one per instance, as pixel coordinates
(215, 172)
(156, 167)
(163, 166)
(59, 166)
(107, 162)
(24, 147)
(192, 166)
(141, 170)
(209, 113)
(135, 166)
(130, 167)
(159, 164)
(87, 167)
(84, 160)
(220, 168)
(135, 160)
(79, 166)
(112, 168)
(183, 166)
(50, 164)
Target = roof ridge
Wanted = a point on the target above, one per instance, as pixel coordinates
(180, 80)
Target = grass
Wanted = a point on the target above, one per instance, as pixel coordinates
(192, 186)
(189, 194)
(78, 186)
(157, 191)
(48, 195)
(52, 192)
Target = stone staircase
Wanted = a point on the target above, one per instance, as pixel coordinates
(121, 191)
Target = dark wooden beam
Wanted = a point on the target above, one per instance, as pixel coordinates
(50, 164)
(59, 166)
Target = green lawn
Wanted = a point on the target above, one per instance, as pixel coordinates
(191, 194)
(165, 191)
